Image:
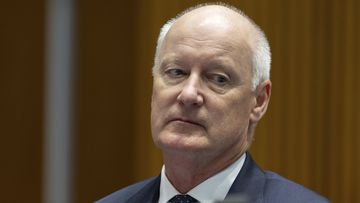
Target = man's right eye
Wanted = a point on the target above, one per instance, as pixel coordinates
(175, 73)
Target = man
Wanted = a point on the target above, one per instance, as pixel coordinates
(211, 87)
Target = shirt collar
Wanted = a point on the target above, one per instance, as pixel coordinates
(213, 189)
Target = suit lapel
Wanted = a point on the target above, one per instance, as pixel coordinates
(148, 194)
(249, 183)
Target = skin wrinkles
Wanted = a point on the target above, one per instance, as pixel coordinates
(213, 67)
(218, 62)
(224, 47)
(192, 42)
(200, 125)
(207, 78)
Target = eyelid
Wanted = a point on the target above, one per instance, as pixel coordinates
(226, 76)
(174, 72)
(213, 78)
(171, 65)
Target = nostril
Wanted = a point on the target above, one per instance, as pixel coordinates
(190, 99)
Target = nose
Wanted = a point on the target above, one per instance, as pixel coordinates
(190, 94)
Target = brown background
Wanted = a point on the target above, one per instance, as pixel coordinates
(310, 133)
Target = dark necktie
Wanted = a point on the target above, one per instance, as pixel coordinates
(182, 199)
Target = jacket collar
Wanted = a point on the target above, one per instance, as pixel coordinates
(148, 194)
(249, 183)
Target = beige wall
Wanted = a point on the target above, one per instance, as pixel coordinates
(310, 133)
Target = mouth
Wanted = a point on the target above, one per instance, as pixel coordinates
(187, 121)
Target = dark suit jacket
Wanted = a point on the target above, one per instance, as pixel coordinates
(251, 182)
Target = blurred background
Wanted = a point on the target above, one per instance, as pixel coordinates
(91, 62)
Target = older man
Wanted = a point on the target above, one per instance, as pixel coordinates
(211, 87)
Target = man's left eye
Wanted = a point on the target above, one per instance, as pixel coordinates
(219, 80)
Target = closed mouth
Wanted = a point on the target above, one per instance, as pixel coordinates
(186, 121)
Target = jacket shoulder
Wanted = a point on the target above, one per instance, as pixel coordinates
(124, 194)
(280, 189)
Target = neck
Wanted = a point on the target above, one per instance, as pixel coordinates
(186, 172)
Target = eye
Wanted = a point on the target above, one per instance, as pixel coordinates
(219, 79)
(175, 72)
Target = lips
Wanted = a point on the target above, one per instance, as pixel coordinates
(189, 121)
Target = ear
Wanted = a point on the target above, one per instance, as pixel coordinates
(262, 98)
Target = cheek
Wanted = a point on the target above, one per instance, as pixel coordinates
(228, 121)
(155, 118)
(163, 96)
(158, 100)
(161, 102)
(230, 118)
(155, 108)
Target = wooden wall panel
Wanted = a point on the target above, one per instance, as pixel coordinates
(21, 100)
(104, 103)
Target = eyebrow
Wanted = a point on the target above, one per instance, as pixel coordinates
(220, 63)
(173, 58)
(213, 63)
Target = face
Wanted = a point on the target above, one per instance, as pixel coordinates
(202, 98)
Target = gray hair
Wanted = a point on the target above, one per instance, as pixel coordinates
(261, 59)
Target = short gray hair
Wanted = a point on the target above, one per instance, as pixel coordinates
(261, 59)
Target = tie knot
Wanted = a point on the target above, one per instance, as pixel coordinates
(182, 199)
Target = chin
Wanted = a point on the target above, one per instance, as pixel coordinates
(181, 142)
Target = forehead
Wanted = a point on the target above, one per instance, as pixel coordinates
(214, 27)
(193, 51)
(213, 21)
(211, 38)
(207, 24)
